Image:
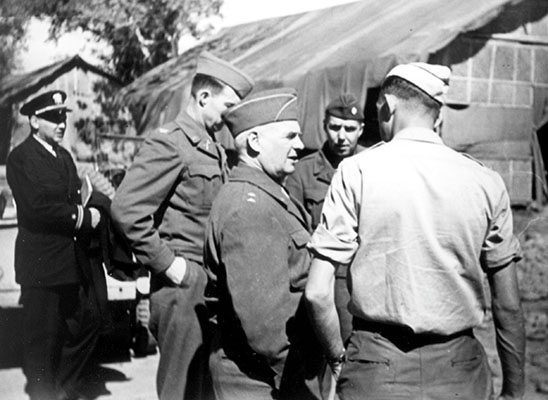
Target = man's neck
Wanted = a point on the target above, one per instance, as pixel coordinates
(195, 113)
(333, 158)
(48, 146)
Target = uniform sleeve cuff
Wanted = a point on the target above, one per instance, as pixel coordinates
(327, 245)
(162, 261)
(79, 216)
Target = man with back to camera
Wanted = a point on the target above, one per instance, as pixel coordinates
(162, 205)
(61, 318)
(343, 125)
(257, 261)
(420, 235)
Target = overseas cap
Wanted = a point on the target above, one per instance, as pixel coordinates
(213, 66)
(431, 79)
(262, 108)
(49, 101)
(345, 106)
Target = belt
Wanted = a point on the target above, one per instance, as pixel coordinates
(403, 336)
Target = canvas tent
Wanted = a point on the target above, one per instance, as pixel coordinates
(351, 47)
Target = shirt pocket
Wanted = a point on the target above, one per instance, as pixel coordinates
(299, 259)
(200, 185)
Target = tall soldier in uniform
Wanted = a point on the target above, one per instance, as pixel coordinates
(420, 234)
(343, 124)
(61, 320)
(162, 205)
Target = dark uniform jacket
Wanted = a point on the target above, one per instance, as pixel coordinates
(46, 189)
(257, 261)
(164, 200)
(310, 181)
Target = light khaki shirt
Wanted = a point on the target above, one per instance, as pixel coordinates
(420, 224)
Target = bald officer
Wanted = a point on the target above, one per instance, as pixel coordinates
(420, 234)
(343, 125)
(256, 255)
(162, 206)
(60, 313)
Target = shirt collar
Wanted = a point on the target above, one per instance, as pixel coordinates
(46, 145)
(192, 129)
(196, 133)
(257, 177)
(419, 135)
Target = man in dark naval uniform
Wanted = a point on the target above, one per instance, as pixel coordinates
(60, 314)
(162, 206)
(343, 125)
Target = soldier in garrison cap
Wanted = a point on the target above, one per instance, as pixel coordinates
(255, 254)
(421, 234)
(60, 320)
(162, 205)
(343, 125)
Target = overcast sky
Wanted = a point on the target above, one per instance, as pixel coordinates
(41, 52)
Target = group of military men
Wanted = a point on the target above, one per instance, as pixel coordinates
(356, 273)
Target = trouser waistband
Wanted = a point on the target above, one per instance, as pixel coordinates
(403, 336)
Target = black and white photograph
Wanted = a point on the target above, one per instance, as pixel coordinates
(274, 200)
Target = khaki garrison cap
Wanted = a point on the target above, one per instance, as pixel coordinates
(227, 73)
(431, 79)
(262, 108)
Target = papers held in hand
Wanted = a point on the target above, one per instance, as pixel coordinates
(85, 190)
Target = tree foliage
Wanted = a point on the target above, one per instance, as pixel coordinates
(13, 21)
(142, 33)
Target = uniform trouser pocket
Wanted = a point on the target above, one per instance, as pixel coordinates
(377, 369)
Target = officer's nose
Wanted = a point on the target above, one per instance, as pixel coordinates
(299, 145)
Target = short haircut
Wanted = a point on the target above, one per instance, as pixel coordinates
(201, 81)
(411, 94)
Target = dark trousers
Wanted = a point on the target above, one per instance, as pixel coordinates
(61, 326)
(342, 298)
(378, 369)
(179, 323)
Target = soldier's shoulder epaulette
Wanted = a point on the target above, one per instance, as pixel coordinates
(379, 144)
(168, 128)
(472, 158)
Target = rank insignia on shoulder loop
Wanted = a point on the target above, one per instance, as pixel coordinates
(251, 197)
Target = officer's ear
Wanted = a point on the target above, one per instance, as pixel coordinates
(34, 123)
(387, 107)
(203, 96)
(253, 142)
(438, 123)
